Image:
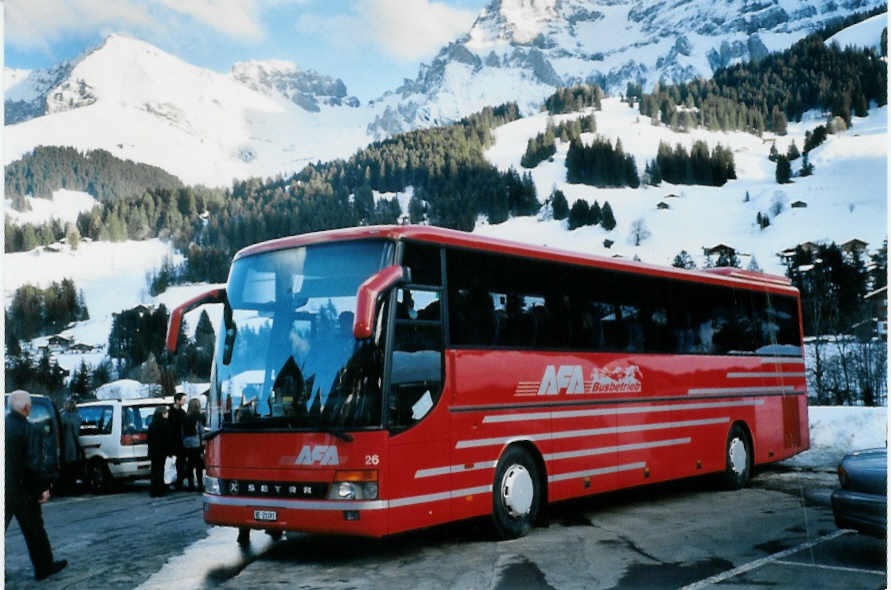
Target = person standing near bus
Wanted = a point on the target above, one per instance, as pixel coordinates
(25, 489)
(158, 449)
(193, 429)
(71, 452)
(176, 417)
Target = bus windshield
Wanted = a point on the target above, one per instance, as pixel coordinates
(286, 357)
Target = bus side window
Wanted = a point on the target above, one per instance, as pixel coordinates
(416, 368)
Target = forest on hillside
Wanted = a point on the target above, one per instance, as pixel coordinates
(766, 94)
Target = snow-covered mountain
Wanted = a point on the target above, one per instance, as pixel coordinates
(272, 117)
(140, 103)
(522, 50)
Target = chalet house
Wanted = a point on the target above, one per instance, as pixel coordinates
(662, 205)
(58, 343)
(790, 252)
(878, 302)
(80, 347)
(798, 205)
(719, 250)
(854, 245)
(672, 196)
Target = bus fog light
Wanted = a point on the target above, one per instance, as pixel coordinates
(211, 485)
(346, 491)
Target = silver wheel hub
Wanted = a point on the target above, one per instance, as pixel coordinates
(738, 457)
(517, 491)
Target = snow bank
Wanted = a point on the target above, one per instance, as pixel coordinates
(127, 389)
(838, 430)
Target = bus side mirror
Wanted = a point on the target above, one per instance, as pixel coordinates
(366, 299)
(176, 316)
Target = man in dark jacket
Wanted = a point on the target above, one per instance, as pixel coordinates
(158, 449)
(176, 417)
(25, 489)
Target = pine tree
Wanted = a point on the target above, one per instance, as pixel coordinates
(559, 205)
(607, 220)
(579, 214)
(784, 170)
(683, 260)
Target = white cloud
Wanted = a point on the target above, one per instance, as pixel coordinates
(403, 29)
(236, 18)
(35, 24)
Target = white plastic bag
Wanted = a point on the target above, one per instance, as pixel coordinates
(170, 470)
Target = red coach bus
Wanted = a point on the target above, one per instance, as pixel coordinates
(374, 380)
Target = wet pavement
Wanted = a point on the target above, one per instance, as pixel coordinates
(779, 532)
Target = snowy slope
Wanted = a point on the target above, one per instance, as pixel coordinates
(112, 277)
(65, 205)
(846, 196)
(866, 34)
(140, 103)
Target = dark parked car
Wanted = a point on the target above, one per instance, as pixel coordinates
(862, 502)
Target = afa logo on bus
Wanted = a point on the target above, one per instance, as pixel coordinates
(318, 454)
(569, 379)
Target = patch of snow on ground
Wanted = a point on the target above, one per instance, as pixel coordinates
(836, 431)
(65, 206)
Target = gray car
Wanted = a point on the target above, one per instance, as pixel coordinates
(862, 502)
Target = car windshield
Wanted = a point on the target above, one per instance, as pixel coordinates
(286, 356)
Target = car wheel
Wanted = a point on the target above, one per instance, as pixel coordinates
(738, 458)
(99, 477)
(516, 495)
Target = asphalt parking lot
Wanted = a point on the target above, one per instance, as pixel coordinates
(778, 533)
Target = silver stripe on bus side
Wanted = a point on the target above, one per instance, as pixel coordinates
(616, 449)
(742, 390)
(453, 469)
(783, 361)
(617, 411)
(295, 504)
(601, 471)
(340, 505)
(744, 375)
(438, 496)
(485, 442)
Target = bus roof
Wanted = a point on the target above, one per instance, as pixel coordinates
(449, 237)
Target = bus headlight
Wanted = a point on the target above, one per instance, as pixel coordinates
(354, 485)
(211, 485)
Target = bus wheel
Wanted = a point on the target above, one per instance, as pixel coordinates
(739, 459)
(516, 498)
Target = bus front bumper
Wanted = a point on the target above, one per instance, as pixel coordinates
(366, 518)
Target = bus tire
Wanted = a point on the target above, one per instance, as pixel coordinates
(738, 459)
(516, 494)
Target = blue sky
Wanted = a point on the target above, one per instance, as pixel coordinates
(370, 44)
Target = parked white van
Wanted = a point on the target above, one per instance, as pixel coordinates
(114, 435)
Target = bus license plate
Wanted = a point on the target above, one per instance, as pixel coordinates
(265, 515)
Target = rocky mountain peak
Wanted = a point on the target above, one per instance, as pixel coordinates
(305, 88)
